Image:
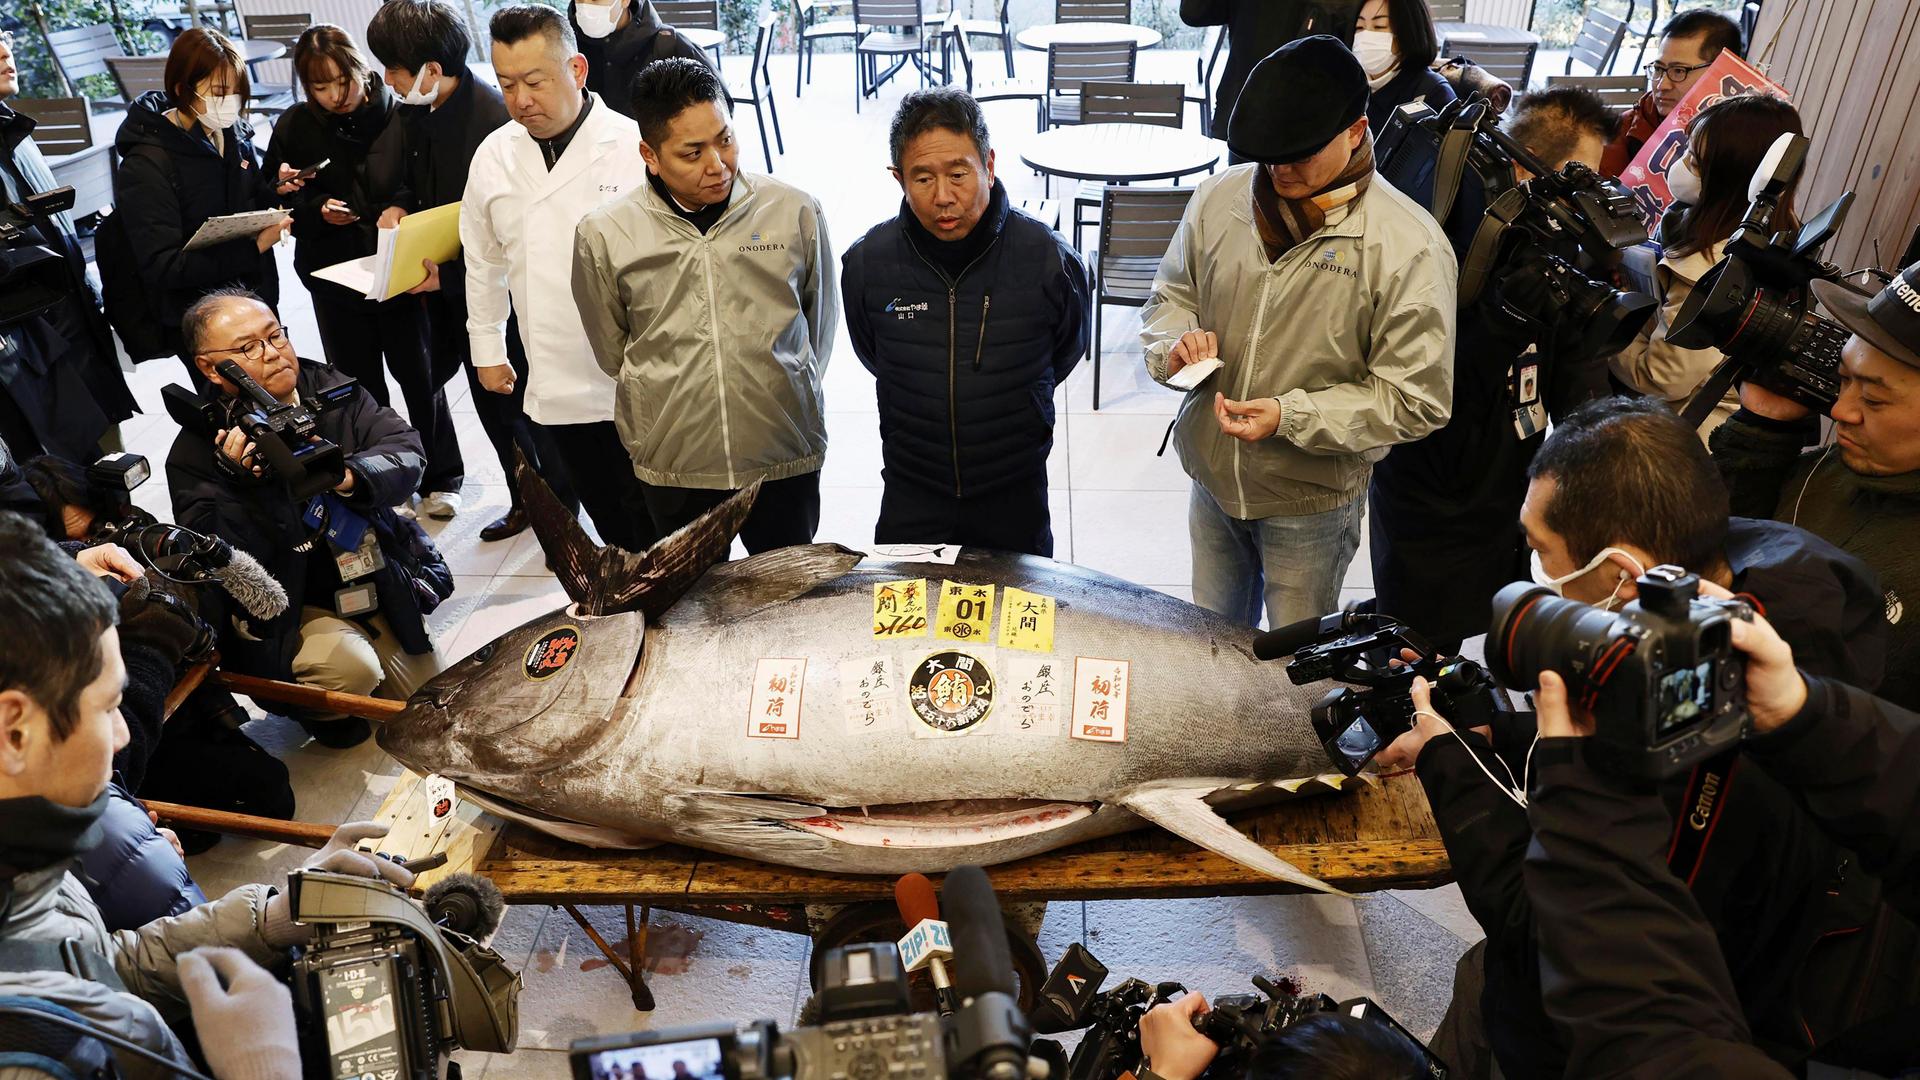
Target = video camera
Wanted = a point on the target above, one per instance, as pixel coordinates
(1661, 675)
(1071, 1000)
(1533, 245)
(1367, 650)
(33, 277)
(1754, 305)
(389, 987)
(867, 1029)
(286, 434)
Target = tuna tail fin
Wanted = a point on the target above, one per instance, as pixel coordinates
(1180, 807)
(607, 580)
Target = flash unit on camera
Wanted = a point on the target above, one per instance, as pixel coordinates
(119, 471)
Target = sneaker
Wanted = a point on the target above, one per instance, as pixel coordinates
(440, 505)
(405, 510)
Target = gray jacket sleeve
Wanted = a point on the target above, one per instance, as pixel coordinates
(1174, 307)
(146, 957)
(820, 293)
(1406, 388)
(596, 291)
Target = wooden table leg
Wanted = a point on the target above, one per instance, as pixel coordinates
(637, 953)
(635, 976)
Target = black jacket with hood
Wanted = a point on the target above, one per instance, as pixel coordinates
(965, 365)
(1783, 898)
(1256, 28)
(259, 518)
(614, 60)
(169, 182)
(356, 146)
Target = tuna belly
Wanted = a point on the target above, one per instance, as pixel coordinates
(949, 824)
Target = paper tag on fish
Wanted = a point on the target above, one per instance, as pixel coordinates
(871, 690)
(1026, 621)
(944, 554)
(952, 693)
(1034, 696)
(1100, 690)
(440, 796)
(966, 612)
(899, 609)
(774, 709)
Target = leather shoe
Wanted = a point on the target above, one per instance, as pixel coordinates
(513, 523)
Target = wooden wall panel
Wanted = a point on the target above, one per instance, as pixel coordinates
(1853, 68)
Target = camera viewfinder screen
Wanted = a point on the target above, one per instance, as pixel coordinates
(1358, 743)
(695, 1060)
(1685, 696)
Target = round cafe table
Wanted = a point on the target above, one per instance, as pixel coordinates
(1120, 153)
(1040, 38)
(258, 51)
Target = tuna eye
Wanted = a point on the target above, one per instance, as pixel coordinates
(485, 652)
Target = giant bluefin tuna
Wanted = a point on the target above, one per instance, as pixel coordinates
(822, 708)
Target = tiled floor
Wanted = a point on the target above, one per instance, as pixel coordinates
(1116, 507)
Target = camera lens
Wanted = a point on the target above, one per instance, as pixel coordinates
(1534, 630)
(1604, 320)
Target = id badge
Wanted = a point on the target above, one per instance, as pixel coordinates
(1529, 420)
(356, 600)
(360, 563)
(1528, 390)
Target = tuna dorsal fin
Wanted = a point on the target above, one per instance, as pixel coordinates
(606, 580)
(1180, 807)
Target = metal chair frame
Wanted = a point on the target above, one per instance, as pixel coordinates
(1113, 11)
(1137, 225)
(758, 89)
(1601, 34)
(901, 29)
(806, 31)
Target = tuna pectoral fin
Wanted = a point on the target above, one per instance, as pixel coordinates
(605, 580)
(1180, 807)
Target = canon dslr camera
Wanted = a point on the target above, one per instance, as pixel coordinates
(1661, 676)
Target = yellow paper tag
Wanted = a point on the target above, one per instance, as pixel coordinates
(900, 609)
(966, 612)
(1026, 621)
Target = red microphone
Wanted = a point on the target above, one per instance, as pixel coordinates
(927, 944)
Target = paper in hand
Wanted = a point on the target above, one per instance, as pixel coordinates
(1191, 376)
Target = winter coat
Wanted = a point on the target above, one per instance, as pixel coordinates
(1656, 367)
(50, 905)
(384, 454)
(1352, 330)
(1873, 518)
(163, 203)
(1767, 879)
(134, 875)
(614, 60)
(1256, 28)
(358, 146)
(718, 341)
(965, 368)
(1413, 84)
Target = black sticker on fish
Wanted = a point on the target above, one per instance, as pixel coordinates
(951, 691)
(552, 652)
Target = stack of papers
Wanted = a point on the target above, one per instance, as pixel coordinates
(394, 267)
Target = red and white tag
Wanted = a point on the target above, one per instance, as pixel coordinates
(773, 711)
(1100, 689)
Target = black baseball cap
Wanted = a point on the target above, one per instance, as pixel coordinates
(1889, 320)
(1296, 100)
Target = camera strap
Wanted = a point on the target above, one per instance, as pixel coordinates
(1699, 815)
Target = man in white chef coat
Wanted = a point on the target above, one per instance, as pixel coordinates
(565, 154)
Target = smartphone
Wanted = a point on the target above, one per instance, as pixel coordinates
(310, 171)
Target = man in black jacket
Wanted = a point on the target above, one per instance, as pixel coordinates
(968, 313)
(359, 578)
(60, 384)
(1256, 28)
(445, 112)
(1663, 1003)
(1862, 491)
(620, 37)
(1619, 487)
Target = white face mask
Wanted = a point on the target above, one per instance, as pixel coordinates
(220, 113)
(1374, 50)
(1683, 183)
(419, 96)
(598, 20)
(1558, 584)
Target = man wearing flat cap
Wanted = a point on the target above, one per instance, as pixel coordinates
(1328, 298)
(1860, 490)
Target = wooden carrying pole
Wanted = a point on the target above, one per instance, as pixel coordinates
(311, 697)
(231, 824)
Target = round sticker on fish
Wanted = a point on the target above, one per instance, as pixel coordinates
(552, 652)
(951, 691)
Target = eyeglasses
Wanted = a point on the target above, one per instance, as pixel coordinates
(1673, 73)
(256, 350)
(6, 40)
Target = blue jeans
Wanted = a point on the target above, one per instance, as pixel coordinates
(1295, 563)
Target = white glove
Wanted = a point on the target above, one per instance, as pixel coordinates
(340, 857)
(244, 1016)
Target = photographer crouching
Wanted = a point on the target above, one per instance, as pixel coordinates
(60, 725)
(304, 481)
(1665, 1002)
(1622, 486)
(1862, 490)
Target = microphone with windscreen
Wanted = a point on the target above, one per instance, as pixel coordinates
(989, 1036)
(928, 944)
